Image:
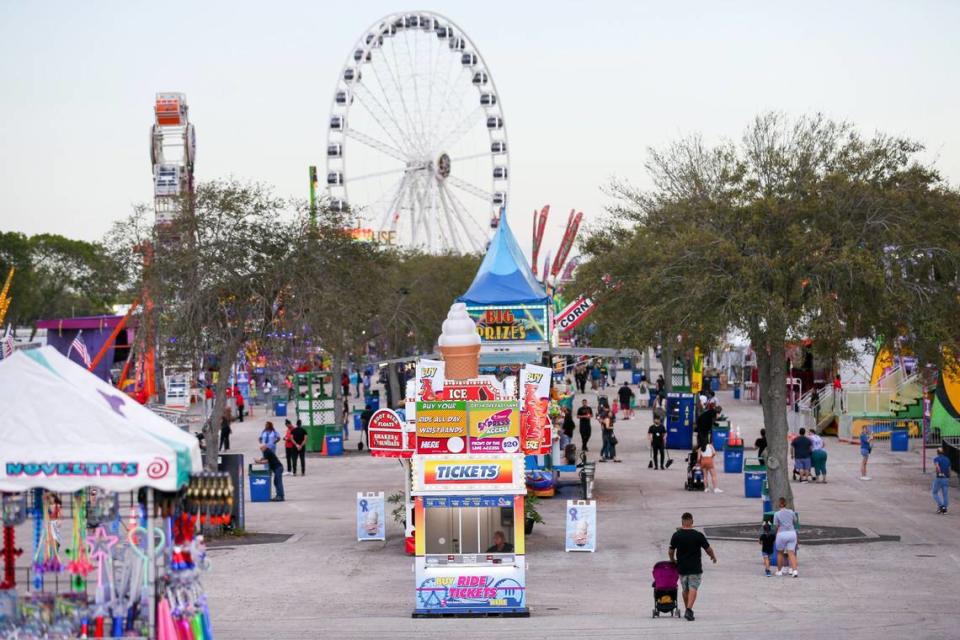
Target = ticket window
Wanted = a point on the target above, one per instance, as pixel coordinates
(467, 530)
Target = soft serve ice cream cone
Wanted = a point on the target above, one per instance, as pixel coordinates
(460, 344)
(582, 533)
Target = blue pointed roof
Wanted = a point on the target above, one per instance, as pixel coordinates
(504, 276)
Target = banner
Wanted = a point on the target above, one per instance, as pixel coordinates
(429, 379)
(387, 437)
(696, 375)
(490, 474)
(371, 523)
(449, 589)
(574, 313)
(513, 323)
(493, 427)
(581, 530)
(480, 388)
(441, 427)
(535, 428)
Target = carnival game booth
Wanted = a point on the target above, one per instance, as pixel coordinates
(78, 451)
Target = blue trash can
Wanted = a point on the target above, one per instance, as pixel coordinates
(733, 459)
(635, 377)
(715, 384)
(736, 392)
(260, 490)
(357, 423)
(334, 445)
(754, 476)
(280, 408)
(720, 435)
(899, 439)
(373, 400)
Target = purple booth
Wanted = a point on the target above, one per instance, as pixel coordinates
(93, 332)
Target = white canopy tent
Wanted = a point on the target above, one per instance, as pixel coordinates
(64, 429)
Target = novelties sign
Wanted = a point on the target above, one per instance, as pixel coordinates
(574, 313)
(441, 427)
(494, 427)
(387, 437)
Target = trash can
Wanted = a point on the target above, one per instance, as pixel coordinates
(720, 435)
(280, 408)
(334, 445)
(715, 384)
(733, 459)
(636, 377)
(899, 439)
(754, 475)
(357, 423)
(259, 475)
(766, 504)
(315, 435)
(736, 392)
(373, 399)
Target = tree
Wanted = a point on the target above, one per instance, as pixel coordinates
(218, 276)
(805, 229)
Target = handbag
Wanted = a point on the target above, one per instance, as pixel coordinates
(613, 440)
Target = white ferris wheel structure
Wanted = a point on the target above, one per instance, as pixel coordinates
(417, 143)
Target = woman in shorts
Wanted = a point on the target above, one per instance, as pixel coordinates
(786, 543)
(706, 457)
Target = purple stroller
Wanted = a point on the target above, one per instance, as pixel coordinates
(665, 578)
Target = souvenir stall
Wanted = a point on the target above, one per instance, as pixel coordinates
(102, 503)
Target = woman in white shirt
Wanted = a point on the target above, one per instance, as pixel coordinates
(706, 457)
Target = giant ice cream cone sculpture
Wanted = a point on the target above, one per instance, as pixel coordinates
(460, 345)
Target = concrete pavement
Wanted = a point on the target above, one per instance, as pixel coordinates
(322, 583)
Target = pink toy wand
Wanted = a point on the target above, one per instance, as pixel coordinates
(100, 548)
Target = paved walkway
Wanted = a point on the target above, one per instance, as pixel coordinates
(322, 583)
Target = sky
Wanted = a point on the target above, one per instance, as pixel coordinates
(586, 89)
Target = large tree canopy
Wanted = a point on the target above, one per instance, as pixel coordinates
(803, 229)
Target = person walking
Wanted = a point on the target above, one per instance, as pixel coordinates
(290, 449)
(941, 481)
(300, 444)
(609, 450)
(604, 372)
(818, 458)
(866, 448)
(269, 437)
(270, 458)
(768, 542)
(568, 426)
(225, 430)
(594, 376)
(761, 445)
(685, 547)
(365, 416)
(802, 448)
(367, 383)
(238, 398)
(208, 401)
(706, 457)
(786, 543)
(585, 415)
(657, 437)
(626, 395)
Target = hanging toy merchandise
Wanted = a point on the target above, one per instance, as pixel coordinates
(101, 551)
(46, 556)
(14, 513)
(80, 564)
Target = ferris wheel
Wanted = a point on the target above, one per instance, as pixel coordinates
(417, 144)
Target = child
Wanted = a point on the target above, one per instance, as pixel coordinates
(642, 401)
(767, 540)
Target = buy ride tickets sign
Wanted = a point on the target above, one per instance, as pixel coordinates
(490, 474)
(494, 427)
(441, 427)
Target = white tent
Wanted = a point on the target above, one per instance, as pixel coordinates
(64, 429)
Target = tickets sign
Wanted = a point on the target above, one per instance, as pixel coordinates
(494, 427)
(574, 313)
(482, 473)
(441, 427)
(387, 437)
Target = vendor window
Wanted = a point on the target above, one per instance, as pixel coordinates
(469, 530)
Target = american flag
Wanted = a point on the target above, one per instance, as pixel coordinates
(80, 348)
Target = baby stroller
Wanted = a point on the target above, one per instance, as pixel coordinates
(665, 579)
(694, 474)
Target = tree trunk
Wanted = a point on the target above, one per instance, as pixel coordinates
(666, 359)
(646, 362)
(394, 381)
(211, 429)
(773, 384)
(337, 391)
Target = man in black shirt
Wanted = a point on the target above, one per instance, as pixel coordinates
(500, 544)
(625, 394)
(300, 443)
(657, 435)
(802, 451)
(365, 416)
(685, 546)
(705, 424)
(585, 414)
(270, 458)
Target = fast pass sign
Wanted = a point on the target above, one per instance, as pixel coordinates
(494, 427)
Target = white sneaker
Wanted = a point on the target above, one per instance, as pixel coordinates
(718, 490)
(866, 478)
(779, 572)
(796, 574)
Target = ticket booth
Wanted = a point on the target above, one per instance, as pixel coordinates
(470, 556)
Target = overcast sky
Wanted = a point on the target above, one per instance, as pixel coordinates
(586, 88)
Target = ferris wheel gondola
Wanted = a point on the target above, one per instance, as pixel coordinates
(417, 142)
